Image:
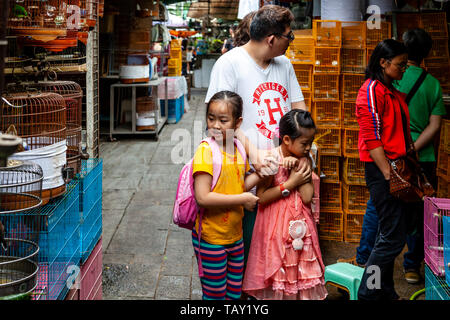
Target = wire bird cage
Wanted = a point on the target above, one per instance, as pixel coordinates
(20, 186)
(18, 267)
(73, 95)
(89, 12)
(39, 118)
(40, 20)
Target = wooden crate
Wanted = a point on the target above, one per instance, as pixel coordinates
(329, 169)
(303, 73)
(331, 225)
(354, 34)
(353, 171)
(327, 59)
(354, 197)
(353, 60)
(330, 197)
(327, 33)
(328, 141)
(443, 165)
(374, 36)
(353, 222)
(442, 188)
(327, 113)
(302, 48)
(325, 86)
(350, 85)
(349, 119)
(435, 24)
(350, 143)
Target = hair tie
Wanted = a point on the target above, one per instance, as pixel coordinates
(277, 132)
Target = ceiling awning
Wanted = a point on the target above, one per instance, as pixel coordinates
(223, 9)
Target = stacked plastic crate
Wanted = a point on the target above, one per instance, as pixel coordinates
(326, 111)
(175, 59)
(87, 283)
(437, 248)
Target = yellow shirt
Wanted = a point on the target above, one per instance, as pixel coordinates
(222, 226)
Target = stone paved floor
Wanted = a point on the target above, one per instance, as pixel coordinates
(145, 255)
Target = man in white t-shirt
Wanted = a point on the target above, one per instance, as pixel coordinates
(265, 79)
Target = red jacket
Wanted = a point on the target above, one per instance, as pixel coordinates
(380, 120)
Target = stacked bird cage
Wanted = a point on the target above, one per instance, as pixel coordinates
(40, 120)
(40, 20)
(20, 191)
(73, 95)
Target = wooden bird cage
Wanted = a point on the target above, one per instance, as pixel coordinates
(40, 20)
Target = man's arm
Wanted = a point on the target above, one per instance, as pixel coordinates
(427, 135)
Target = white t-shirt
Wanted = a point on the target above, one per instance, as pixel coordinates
(267, 94)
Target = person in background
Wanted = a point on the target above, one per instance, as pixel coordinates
(242, 34)
(228, 44)
(189, 58)
(383, 116)
(426, 109)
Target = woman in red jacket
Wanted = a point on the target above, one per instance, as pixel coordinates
(378, 109)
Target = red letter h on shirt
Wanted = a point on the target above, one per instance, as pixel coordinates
(272, 111)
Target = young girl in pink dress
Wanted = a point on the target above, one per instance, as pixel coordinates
(285, 261)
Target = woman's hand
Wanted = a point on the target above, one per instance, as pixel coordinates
(249, 200)
(267, 164)
(290, 162)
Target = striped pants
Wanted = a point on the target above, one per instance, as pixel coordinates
(223, 268)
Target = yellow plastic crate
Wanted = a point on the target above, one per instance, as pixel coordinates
(327, 33)
(302, 48)
(354, 34)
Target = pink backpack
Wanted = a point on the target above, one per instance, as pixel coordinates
(185, 208)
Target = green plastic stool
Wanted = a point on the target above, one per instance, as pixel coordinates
(345, 276)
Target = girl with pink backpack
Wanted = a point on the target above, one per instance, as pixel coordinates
(220, 188)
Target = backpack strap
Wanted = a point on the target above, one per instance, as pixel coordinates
(241, 149)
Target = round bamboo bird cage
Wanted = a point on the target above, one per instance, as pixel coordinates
(40, 20)
(40, 120)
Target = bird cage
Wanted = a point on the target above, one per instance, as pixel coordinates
(40, 20)
(20, 186)
(40, 120)
(57, 45)
(18, 267)
(89, 12)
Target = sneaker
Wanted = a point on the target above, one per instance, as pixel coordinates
(412, 276)
(352, 261)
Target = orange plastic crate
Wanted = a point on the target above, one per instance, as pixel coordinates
(326, 59)
(174, 62)
(435, 24)
(354, 197)
(329, 140)
(325, 86)
(354, 34)
(330, 197)
(308, 100)
(349, 119)
(374, 36)
(329, 169)
(331, 226)
(327, 33)
(351, 83)
(350, 143)
(304, 74)
(353, 171)
(353, 60)
(442, 188)
(302, 48)
(327, 113)
(353, 222)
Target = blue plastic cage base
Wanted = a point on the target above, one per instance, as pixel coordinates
(436, 288)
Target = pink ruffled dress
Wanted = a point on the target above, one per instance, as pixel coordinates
(275, 270)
